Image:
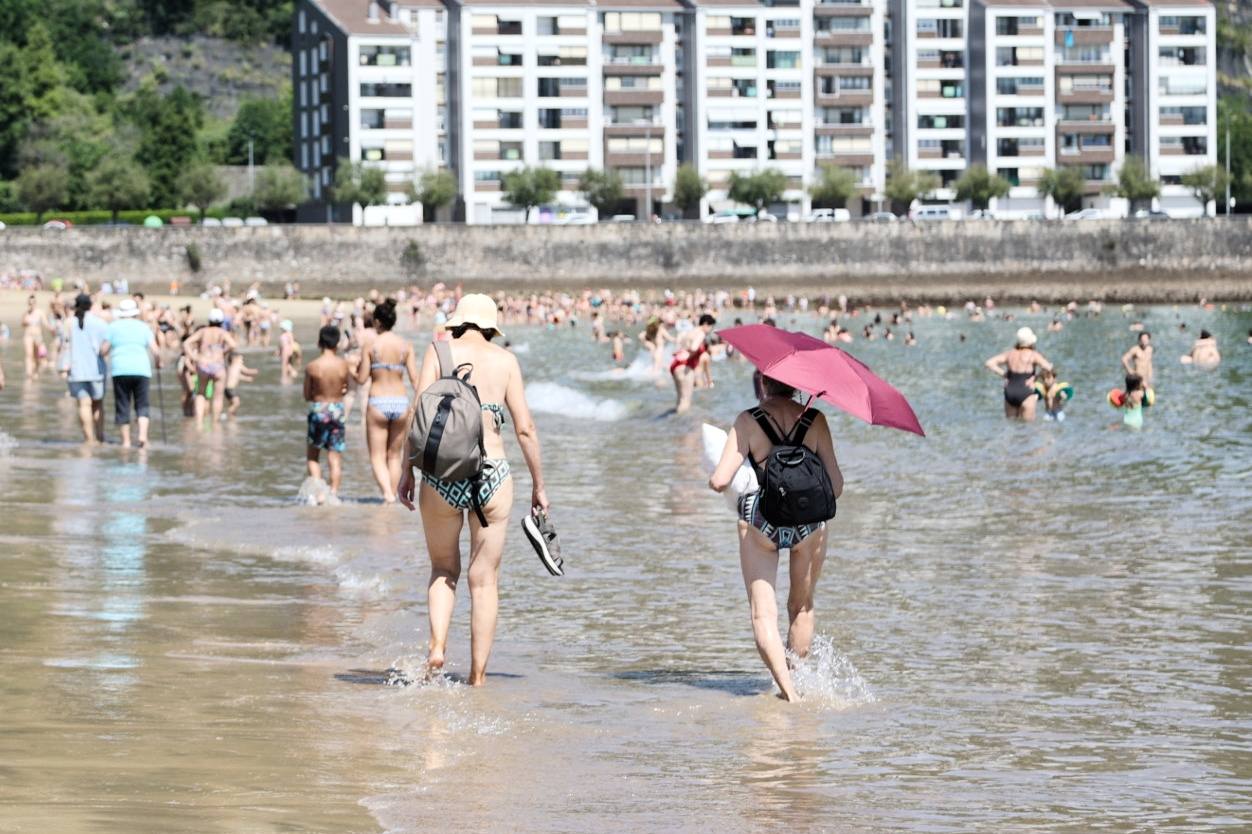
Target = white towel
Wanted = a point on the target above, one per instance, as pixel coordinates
(744, 480)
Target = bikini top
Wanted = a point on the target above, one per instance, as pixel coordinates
(375, 362)
(497, 413)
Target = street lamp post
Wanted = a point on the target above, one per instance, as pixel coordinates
(647, 171)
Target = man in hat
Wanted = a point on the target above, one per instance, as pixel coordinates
(131, 348)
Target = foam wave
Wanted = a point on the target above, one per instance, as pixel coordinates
(828, 677)
(553, 398)
(639, 370)
(7, 444)
(358, 584)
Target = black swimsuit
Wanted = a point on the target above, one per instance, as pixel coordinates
(1018, 389)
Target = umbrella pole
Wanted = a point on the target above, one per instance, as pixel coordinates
(161, 400)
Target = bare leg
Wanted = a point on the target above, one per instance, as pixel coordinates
(30, 354)
(219, 399)
(97, 419)
(442, 525)
(486, 550)
(143, 431)
(759, 560)
(376, 432)
(125, 431)
(684, 383)
(335, 459)
(806, 566)
(85, 420)
(1028, 408)
(397, 433)
(312, 464)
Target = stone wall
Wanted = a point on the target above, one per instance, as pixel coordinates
(1130, 260)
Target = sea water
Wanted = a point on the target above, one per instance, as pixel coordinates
(1019, 627)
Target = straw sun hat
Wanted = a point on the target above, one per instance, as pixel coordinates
(1026, 337)
(476, 309)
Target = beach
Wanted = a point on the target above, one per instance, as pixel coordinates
(1021, 627)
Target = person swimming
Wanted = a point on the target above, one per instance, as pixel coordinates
(1204, 353)
(1018, 366)
(1132, 401)
(1053, 394)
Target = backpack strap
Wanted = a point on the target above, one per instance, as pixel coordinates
(762, 420)
(802, 426)
(443, 352)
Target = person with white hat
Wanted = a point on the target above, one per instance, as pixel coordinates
(1018, 366)
(496, 376)
(131, 348)
(289, 352)
(207, 349)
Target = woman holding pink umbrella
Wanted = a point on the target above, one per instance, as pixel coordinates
(790, 448)
(778, 419)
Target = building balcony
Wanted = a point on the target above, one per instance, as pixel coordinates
(1086, 127)
(844, 39)
(633, 160)
(632, 68)
(846, 98)
(1086, 156)
(841, 10)
(647, 37)
(863, 68)
(1086, 69)
(1085, 96)
(839, 129)
(487, 185)
(848, 159)
(657, 128)
(638, 97)
(1084, 35)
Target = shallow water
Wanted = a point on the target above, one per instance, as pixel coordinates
(1022, 628)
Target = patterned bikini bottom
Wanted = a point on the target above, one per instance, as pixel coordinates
(460, 494)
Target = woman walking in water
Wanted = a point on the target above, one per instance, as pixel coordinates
(497, 378)
(206, 349)
(1018, 366)
(759, 541)
(35, 352)
(384, 366)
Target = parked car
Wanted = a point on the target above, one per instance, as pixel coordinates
(211, 221)
(622, 218)
(927, 213)
(763, 217)
(882, 217)
(1088, 214)
(255, 221)
(827, 215)
(58, 225)
(980, 214)
(728, 216)
(1151, 214)
(232, 222)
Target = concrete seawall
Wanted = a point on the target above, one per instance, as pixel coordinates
(1116, 260)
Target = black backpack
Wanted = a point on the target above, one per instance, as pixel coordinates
(795, 486)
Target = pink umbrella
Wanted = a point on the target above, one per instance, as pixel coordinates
(809, 364)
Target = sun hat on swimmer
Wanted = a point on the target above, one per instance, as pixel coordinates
(1026, 337)
(127, 308)
(476, 309)
(216, 316)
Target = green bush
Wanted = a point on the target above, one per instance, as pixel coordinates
(96, 217)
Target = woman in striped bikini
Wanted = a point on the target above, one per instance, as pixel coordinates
(389, 412)
(497, 376)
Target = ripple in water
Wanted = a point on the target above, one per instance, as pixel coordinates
(552, 398)
(828, 678)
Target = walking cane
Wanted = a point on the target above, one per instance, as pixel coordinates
(161, 402)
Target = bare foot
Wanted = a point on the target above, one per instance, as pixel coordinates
(434, 663)
(476, 681)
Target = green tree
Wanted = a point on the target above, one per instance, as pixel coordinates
(118, 183)
(79, 137)
(14, 112)
(689, 189)
(359, 184)
(280, 186)
(1065, 185)
(758, 189)
(82, 32)
(1233, 116)
(42, 188)
(834, 187)
(905, 185)
(528, 187)
(980, 186)
(434, 189)
(1135, 183)
(267, 123)
(44, 76)
(202, 187)
(603, 189)
(167, 146)
(1207, 183)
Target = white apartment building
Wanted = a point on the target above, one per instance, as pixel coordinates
(933, 88)
(369, 86)
(484, 87)
(1181, 95)
(850, 90)
(1049, 83)
(753, 101)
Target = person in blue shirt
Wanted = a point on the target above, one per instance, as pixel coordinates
(86, 368)
(131, 348)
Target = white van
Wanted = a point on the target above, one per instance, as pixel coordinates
(827, 215)
(934, 213)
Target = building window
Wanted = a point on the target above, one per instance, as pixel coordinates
(372, 119)
(618, 22)
(565, 56)
(1182, 25)
(385, 56)
(1182, 56)
(941, 122)
(1028, 86)
(782, 60)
